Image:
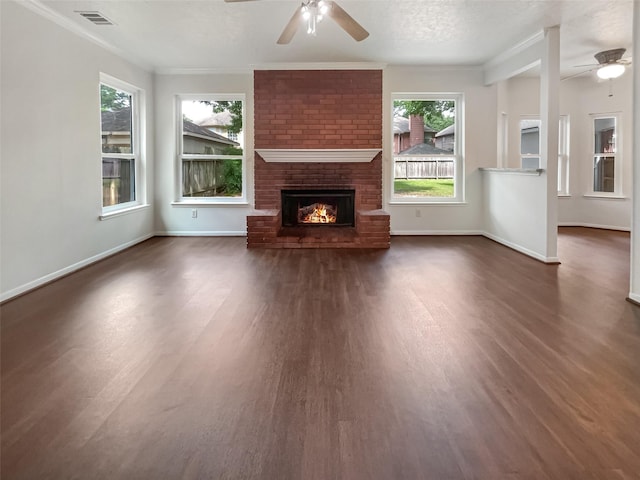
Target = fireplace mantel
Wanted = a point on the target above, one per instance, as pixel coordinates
(320, 155)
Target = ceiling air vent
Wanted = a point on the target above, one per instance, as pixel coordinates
(96, 17)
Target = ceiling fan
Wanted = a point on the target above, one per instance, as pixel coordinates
(313, 11)
(610, 64)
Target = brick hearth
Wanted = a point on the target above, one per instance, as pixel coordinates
(311, 109)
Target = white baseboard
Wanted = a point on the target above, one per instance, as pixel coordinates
(634, 298)
(191, 233)
(4, 296)
(14, 292)
(593, 225)
(521, 249)
(436, 232)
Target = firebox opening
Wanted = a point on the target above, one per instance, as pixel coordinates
(318, 208)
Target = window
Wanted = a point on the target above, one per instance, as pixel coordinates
(530, 148)
(530, 143)
(120, 138)
(427, 148)
(563, 156)
(211, 150)
(606, 164)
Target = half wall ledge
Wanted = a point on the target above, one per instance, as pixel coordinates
(316, 155)
(513, 171)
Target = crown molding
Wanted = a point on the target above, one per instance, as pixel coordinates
(249, 69)
(436, 67)
(204, 71)
(44, 11)
(320, 66)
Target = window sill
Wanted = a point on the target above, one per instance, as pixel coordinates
(605, 197)
(514, 171)
(397, 203)
(124, 211)
(210, 203)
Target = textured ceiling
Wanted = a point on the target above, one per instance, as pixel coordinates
(209, 34)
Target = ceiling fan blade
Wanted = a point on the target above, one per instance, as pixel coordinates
(291, 28)
(586, 65)
(347, 23)
(577, 74)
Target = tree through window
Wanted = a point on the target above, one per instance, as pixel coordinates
(211, 147)
(119, 145)
(426, 148)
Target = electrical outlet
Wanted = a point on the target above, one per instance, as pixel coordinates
(194, 213)
(418, 212)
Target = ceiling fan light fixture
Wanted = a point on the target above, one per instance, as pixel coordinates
(612, 70)
(313, 11)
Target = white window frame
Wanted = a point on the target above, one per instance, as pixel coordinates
(563, 151)
(182, 156)
(563, 156)
(138, 139)
(617, 155)
(458, 149)
(528, 155)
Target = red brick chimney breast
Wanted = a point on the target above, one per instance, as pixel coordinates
(318, 109)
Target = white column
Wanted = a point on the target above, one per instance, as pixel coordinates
(550, 117)
(634, 289)
(502, 144)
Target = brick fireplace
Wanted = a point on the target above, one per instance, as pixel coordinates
(318, 131)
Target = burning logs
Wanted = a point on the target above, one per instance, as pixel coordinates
(317, 213)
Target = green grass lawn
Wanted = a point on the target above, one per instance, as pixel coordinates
(424, 188)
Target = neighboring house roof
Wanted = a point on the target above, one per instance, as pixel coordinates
(401, 125)
(220, 119)
(116, 121)
(450, 130)
(192, 128)
(120, 121)
(423, 149)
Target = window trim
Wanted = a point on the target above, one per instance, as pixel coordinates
(459, 158)
(563, 151)
(617, 156)
(529, 155)
(564, 156)
(138, 143)
(180, 156)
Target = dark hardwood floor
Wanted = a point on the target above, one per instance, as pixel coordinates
(441, 358)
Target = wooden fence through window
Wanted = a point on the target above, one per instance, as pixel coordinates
(407, 167)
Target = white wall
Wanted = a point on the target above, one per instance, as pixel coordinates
(579, 98)
(480, 147)
(50, 153)
(506, 196)
(213, 219)
(523, 98)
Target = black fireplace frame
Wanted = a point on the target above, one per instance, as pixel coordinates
(343, 199)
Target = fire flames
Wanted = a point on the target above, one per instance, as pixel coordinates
(318, 213)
